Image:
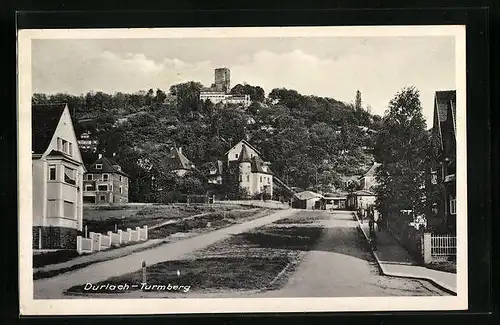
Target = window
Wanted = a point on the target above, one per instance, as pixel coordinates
(248, 178)
(120, 178)
(52, 173)
(90, 177)
(111, 187)
(453, 206)
(102, 198)
(241, 178)
(52, 208)
(103, 188)
(69, 175)
(69, 209)
(121, 190)
(261, 178)
(98, 166)
(105, 177)
(269, 180)
(89, 187)
(70, 149)
(235, 155)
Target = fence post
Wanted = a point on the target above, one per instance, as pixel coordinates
(79, 244)
(138, 229)
(427, 247)
(40, 238)
(145, 232)
(129, 234)
(120, 236)
(96, 241)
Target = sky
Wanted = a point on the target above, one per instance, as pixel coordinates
(333, 67)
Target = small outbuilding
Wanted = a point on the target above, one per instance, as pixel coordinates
(307, 200)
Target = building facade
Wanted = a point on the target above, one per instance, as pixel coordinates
(219, 92)
(57, 178)
(223, 80)
(444, 136)
(361, 199)
(105, 183)
(246, 170)
(87, 143)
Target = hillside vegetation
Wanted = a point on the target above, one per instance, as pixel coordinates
(310, 141)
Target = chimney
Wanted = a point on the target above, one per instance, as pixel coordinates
(100, 156)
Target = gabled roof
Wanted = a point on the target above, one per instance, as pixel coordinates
(108, 166)
(444, 104)
(245, 142)
(307, 195)
(44, 121)
(177, 160)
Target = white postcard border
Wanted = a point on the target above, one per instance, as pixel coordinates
(30, 306)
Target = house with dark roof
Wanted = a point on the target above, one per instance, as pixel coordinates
(255, 175)
(178, 163)
(57, 178)
(105, 182)
(245, 167)
(444, 136)
(368, 181)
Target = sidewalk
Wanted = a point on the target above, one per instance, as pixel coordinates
(55, 286)
(394, 260)
(86, 260)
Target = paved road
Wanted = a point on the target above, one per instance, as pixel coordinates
(53, 288)
(341, 265)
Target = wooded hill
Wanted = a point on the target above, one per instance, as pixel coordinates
(311, 141)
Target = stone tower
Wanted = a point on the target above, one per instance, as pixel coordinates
(245, 170)
(223, 80)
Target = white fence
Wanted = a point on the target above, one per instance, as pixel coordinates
(438, 247)
(98, 242)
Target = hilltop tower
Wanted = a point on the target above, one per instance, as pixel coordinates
(245, 169)
(223, 80)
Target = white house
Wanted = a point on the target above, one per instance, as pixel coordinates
(57, 178)
(255, 175)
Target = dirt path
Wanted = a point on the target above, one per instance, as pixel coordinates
(342, 266)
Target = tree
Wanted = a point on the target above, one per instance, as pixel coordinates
(160, 96)
(357, 103)
(401, 149)
(188, 96)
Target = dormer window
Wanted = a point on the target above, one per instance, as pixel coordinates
(117, 167)
(98, 166)
(236, 155)
(105, 177)
(90, 177)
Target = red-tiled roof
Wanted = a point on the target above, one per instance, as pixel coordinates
(44, 121)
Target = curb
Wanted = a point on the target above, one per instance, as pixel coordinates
(436, 283)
